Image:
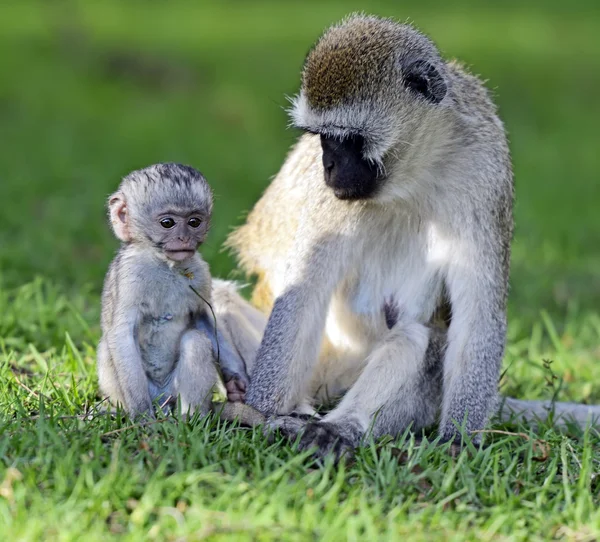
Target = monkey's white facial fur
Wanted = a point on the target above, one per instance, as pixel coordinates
(370, 87)
(165, 206)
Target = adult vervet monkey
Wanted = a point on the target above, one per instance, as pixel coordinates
(383, 245)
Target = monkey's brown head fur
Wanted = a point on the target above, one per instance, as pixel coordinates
(165, 206)
(350, 62)
(372, 78)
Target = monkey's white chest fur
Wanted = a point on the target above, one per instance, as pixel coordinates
(402, 270)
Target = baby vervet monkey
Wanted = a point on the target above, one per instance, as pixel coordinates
(159, 340)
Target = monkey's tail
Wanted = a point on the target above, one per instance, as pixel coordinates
(562, 414)
(240, 412)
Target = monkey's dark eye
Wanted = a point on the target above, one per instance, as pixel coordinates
(194, 222)
(167, 223)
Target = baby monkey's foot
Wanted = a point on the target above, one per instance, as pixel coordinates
(236, 390)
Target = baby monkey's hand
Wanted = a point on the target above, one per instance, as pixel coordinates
(236, 390)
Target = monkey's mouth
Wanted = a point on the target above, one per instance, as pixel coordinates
(356, 193)
(180, 255)
(349, 194)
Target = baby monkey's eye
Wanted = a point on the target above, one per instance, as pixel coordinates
(167, 223)
(194, 222)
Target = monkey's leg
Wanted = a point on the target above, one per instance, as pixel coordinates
(195, 373)
(232, 366)
(107, 375)
(399, 388)
(241, 324)
(239, 332)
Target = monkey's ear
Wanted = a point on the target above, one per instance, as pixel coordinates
(423, 78)
(119, 217)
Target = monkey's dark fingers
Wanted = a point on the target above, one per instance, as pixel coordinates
(236, 391)
(242, 379)
(288, 426)
(326, 439)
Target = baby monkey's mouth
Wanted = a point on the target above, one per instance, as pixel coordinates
(180, 254)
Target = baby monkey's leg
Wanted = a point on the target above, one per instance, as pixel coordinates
(195, 373)
(241, 324)
(107, 375)
(241, 327)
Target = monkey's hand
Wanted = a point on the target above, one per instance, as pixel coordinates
(236, 384)
(325, 438)
(236, 390)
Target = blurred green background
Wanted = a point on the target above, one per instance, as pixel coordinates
(92, 90)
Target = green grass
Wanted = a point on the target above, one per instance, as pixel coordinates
(91, 90)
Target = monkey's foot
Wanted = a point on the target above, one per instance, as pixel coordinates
(457, 443)
(289, 426)
(236, 390)
(325, 438)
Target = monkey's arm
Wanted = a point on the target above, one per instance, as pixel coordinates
(125, 352)
(232, 366)
(477, 284)
(292, 338)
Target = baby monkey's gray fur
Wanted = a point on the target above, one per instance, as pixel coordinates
(158, 338)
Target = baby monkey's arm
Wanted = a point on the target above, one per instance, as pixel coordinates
(231, 365)
(127, 365)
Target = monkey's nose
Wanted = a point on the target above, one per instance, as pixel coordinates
(329, 165)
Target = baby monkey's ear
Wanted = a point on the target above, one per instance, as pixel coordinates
(119, 217)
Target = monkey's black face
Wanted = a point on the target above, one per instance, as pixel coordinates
(346, 171)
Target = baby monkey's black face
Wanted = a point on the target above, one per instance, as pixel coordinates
(346, 171)
(178, 234)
